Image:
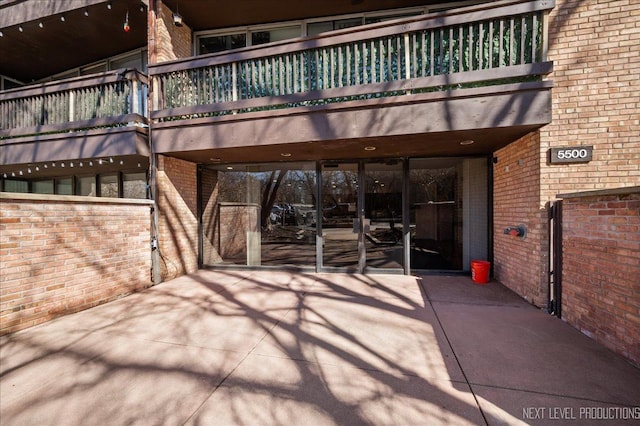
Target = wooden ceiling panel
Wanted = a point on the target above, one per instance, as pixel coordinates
(37, 52)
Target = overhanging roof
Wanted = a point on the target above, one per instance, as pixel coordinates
(37, 52)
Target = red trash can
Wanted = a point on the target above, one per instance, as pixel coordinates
(480, 271)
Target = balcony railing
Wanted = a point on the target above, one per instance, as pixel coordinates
(493, 43)
(110, 99)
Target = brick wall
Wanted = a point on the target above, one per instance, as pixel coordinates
(171, 42)
(63, 254)
(520, 263)
(595, 48)
(601, 269)
(178, 218)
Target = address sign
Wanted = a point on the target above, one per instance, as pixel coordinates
(572, 154)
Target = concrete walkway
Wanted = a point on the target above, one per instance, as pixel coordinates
(272, 348)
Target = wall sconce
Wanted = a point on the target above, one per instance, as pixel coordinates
(177, 19)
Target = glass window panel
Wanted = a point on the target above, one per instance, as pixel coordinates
(42, 187)
(375, 19)
(129, 61)
(7, 84)
(134, 185)
(275, 34)
(16, 185)
(108, 185)
(64, 186)
(66, 75)
(213, 44)
(260, 214)
(86, 185)
(321, 27)
(101, 67)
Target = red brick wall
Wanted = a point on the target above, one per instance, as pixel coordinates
(520, 263)
(595, 49)
(62, 254)
(171, 42)
(601, 269)
(178, 218)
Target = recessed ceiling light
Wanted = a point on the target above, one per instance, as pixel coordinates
(229, 168)
(285, 154)
(467, 142)
(370, 148)
(217, 160)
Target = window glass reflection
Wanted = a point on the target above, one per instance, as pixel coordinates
(259, 214)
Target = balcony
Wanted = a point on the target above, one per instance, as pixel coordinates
(470, 73)
(84, 117)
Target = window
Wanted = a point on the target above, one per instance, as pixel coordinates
(42, 187)
(11, 185)
(275, 34)
(215, 44)
(64, 186)
(137, 60)
(108, 185)
(134, 185)
(316, 28)
(86, 185)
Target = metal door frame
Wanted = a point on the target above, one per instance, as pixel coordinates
(362, 267)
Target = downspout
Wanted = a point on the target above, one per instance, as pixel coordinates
(156, 274)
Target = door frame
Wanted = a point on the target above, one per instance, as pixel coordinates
(362, 267)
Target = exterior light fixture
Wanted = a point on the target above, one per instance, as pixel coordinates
(20, 28)
(62, 18)
(86, 12)
(370, 148)
(1, 34)
(40, 25)
(177, 19)
(467, 142)
(109, 5)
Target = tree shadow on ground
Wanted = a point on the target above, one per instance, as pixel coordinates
(242, 348)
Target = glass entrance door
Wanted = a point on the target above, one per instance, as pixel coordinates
(383, 231)
(362, 224)
(341, 236)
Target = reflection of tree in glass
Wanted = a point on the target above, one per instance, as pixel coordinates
(339, 186)
(433, 185)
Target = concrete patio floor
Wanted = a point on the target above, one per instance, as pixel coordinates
(270, 348)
